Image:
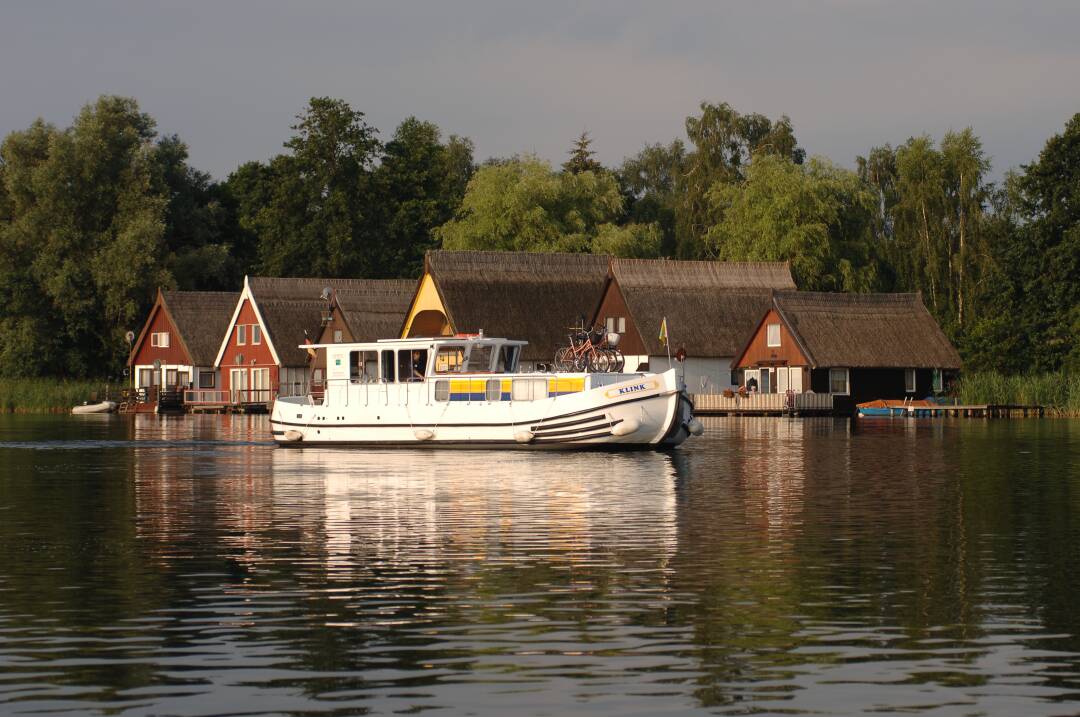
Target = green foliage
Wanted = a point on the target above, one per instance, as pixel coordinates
(581, 157)
(816, 215)
(725, 142)
(49, 395)
(524, 205)
(649, 181)
(419, 182)
(1058, 390)
(319, 218)
(85, 244)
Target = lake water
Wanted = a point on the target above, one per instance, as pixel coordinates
(184, 566)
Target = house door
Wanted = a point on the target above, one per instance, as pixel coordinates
(764, 381)
(782, 379)
(260, 384)
(238, 384)
(795, 378)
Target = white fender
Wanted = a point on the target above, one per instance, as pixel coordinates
(695, 427)
(423, 434)
(628, 426)
(524, 436)
(293, 435)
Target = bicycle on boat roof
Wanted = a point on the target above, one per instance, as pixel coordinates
(590, 350)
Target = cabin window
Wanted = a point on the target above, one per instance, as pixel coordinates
(494, 390)
(939, 383)
(256, 334)
(909, 380)
(406, 365)
(207, 379)
(160, 339)
(449, 359)
(354, 366)
(838, 381)
(337, 336)
(529, 389)
(773, 334)
(508, 358)
(241, 334)
(170, 377)
(388, 366)
(479, 358)
(442, 390)
(182, 378)
(363, 366)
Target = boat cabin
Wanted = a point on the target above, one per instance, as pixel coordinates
(469, 367)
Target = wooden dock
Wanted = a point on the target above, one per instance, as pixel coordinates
(986, 410)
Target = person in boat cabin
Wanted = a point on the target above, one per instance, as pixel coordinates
(751, 385)
(419, 358)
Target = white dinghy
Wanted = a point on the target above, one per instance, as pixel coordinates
(99, 407)
(466, 391)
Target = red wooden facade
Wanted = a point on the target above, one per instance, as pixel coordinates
(144, 352)
(759, 353)
(613, 306)
(252, 363)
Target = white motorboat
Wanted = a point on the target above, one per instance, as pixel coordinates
(465, 391)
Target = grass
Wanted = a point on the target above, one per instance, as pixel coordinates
(49, 395)
(1057, 391)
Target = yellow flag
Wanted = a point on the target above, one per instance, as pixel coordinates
(663, 331)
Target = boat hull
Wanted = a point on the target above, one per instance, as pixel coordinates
(641, 412)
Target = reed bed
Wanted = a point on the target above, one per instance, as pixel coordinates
(1058, 391)
(50, 395)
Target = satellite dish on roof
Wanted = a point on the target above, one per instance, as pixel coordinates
(326, 293)
(130, 336)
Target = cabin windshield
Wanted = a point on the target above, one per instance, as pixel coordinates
(507, 359)
(479, 360)
(450, 359)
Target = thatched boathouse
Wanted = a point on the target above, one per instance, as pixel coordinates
(710, 307)
(178, 343)
(856, 347)
(260, 355)
(517, 295)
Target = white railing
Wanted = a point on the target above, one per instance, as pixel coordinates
(767, 402)
(207, 397)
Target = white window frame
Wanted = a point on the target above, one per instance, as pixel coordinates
(256, 334)
(159, 339)
(910, 382)
(610, 324)
(769, 341)
(339, 336)
(938, 384)
(622, 325)
(847, 382)
(241, 334)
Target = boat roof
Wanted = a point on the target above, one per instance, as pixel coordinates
(457, 340)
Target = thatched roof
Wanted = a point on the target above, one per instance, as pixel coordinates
(710, 306)
(518, 295)
(292, 310)
(866, 330)
(201, 319)
(377, 309)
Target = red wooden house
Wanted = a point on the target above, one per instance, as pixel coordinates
(854, 347)
(260, 357)
(176, 348)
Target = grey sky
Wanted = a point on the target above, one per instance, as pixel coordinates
(228, 77)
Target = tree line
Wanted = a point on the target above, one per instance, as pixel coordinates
(95, 216)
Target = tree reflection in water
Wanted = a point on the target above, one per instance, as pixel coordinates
(186, 566)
